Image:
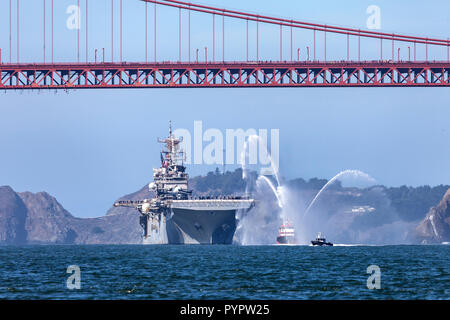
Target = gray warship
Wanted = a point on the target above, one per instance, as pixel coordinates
(174, 216)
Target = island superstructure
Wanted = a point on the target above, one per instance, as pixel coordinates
(174, 216)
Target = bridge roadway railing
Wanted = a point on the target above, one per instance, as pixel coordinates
(226, 74)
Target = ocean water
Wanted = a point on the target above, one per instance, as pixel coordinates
(225, 272)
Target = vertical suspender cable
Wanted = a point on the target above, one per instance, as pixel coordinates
(291, 44)
(179, 35)
(348, 47)
(18, 46)
(112, 30)
(52, 33)
(78, 30)
(214, 37)
(223, 38)
(359, 47)
(393, 57)
(448, 50)
(314, 44)
(257, 39)
(10, 31)
(247, 38)
(146, 31)
(121, 32)
(281, 42)
(44, 30)
(381, 48)
(87, 34)
(189, 34)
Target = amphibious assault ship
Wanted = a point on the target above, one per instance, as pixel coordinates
(174, 216)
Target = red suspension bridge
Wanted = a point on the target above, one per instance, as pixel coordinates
(293, 66)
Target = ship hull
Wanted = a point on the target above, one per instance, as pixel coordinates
(321, 243)
(188, 226)
(286, 240)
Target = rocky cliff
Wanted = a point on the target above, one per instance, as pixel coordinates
(37, 218)
(46, 220)
(435, 228)
(13, 214)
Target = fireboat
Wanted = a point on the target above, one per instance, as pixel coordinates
(286, 234)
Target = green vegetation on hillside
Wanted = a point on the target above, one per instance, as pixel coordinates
(411, 203)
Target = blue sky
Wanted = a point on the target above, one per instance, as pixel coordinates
(87, 148)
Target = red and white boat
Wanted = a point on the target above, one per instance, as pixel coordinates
(286, 234)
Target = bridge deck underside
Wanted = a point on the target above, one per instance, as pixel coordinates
(175, 75)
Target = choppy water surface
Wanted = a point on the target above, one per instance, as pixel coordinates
(225, 272)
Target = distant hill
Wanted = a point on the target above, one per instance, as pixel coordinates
(38, 218)
(435, 228)
(411, 203)
(13, 214)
